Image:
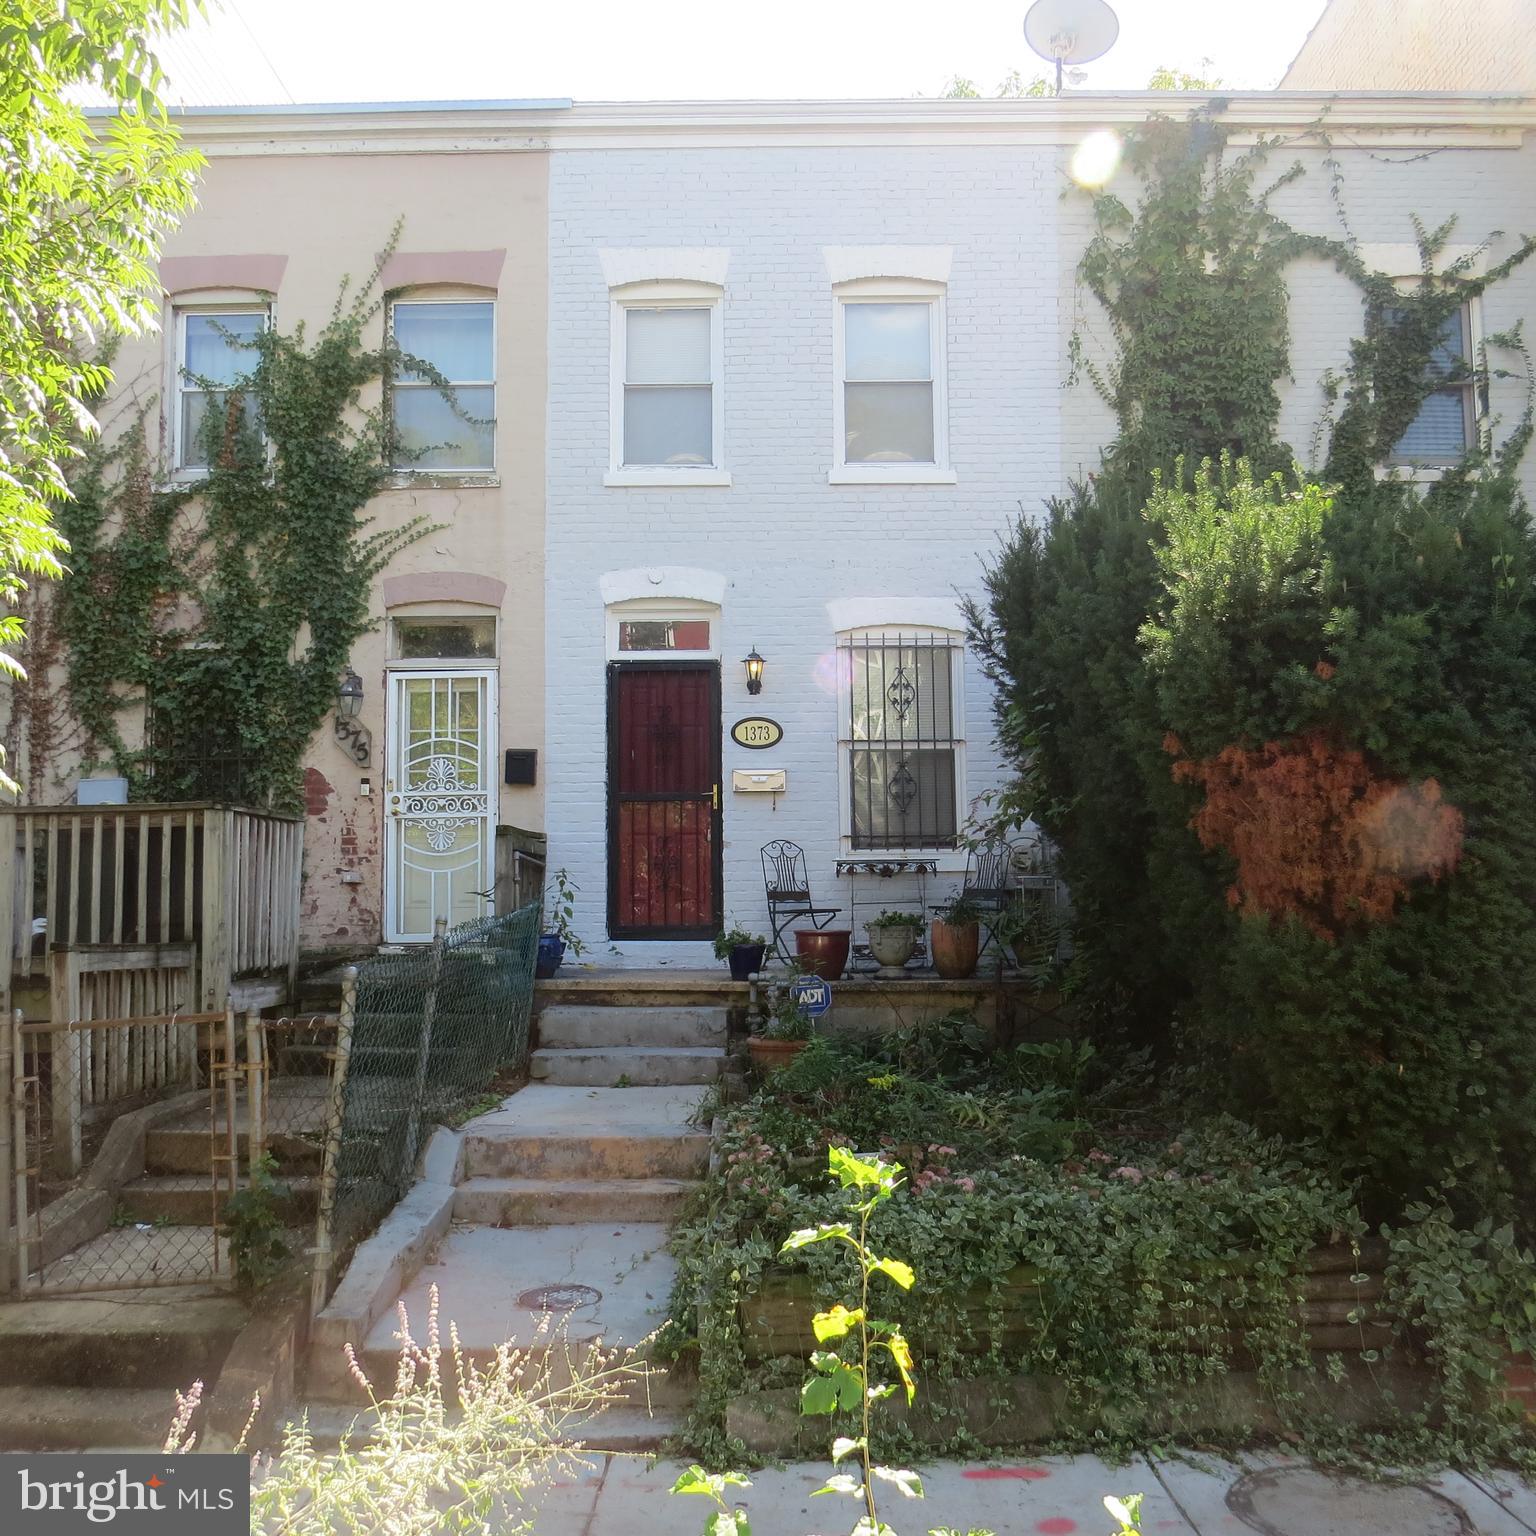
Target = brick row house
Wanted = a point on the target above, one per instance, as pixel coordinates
(759, 380)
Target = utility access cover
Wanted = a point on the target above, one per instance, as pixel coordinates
(560, 1298)
(1299, 1501)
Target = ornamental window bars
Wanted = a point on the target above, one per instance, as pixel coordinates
(903, 740)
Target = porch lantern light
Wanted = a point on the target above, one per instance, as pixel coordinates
(754, 665)
(349, 696)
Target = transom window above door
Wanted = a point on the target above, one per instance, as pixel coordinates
(444, 417)
(666, 391)
(444, 637)
(664, 634)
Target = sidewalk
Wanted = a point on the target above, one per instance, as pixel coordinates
(1054, 1496)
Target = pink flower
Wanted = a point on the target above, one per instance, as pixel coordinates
(1095, 1156)
(1135, 1175)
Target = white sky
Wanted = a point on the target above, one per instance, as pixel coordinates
(257, 51)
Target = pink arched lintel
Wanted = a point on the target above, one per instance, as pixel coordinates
(417, 269)
(256, 273)
(443, 587)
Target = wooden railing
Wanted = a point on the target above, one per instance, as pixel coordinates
(224, 879)
(141, 992)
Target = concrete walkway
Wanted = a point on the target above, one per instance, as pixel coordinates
(1052, 1496)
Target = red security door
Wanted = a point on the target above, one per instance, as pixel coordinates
(664, 801)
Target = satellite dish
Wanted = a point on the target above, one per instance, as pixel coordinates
(1070, 31)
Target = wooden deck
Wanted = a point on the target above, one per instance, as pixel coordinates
(222, 878)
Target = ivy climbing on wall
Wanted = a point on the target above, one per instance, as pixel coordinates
(1281, 723)
(228, 608)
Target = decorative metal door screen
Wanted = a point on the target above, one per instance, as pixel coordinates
(441, 801)
(664, 801)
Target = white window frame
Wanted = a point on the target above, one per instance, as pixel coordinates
(661, 610)
(1475, 412)
(948, 859)
(679, 294)
(213, 305)
(444, 471)
(892, 290)
(394, 661)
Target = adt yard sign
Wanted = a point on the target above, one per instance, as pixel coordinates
(812, 995)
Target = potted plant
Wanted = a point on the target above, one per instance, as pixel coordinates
(788, 1029)
(742, 949)
(892, 938)
(956, 931)
(823, 951)
(559, 933)
(1033, 934)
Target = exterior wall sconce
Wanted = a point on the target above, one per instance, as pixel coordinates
(754, 665)
(349, 696)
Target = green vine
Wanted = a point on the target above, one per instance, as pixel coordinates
(1150, 1284)
(1193, 285)
(230, 606)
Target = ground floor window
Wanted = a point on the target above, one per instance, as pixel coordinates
(903, 738)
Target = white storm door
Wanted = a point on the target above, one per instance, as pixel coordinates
(440, 801)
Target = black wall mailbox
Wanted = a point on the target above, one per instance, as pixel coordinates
(522, 765)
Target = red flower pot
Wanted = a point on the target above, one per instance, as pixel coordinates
(823, 953)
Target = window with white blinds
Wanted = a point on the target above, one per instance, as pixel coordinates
(669, 386)
(214, 355)
(888, 355)
(445, 414)
(1445, 428)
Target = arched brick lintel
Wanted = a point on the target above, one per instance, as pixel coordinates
(416, 269)
(443, 587)
(186, 274)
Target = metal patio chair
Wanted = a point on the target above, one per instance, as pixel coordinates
(988, 885)
(788, 889)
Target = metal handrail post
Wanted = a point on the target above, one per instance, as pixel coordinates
(334, 1106)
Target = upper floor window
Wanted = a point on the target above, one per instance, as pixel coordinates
(666, 395)
(904, 739)
(1446, 427)
(445, 419)
(890, 389)
(213, 353)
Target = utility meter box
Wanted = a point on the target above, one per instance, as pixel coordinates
(759, 781)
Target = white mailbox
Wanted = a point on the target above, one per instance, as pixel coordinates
(748, 781)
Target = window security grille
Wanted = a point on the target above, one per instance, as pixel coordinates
(194, 752)
(902, 745)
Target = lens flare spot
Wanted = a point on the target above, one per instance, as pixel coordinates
(832, 672)
(1096, 159)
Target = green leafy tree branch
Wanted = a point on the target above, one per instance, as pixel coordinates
(84, 207)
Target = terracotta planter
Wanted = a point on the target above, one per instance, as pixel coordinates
(773, 1055)
(823, 953)
(892, 945)
(955, 948)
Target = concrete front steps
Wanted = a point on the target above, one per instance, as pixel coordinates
(626, 1066)
(102, 1370)
(561, 1204)
(596, 1026)
(497, 1202)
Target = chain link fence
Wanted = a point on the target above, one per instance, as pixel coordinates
(121, 1144)
(422, 1034)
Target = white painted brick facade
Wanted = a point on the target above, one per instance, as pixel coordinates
(785, 542)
